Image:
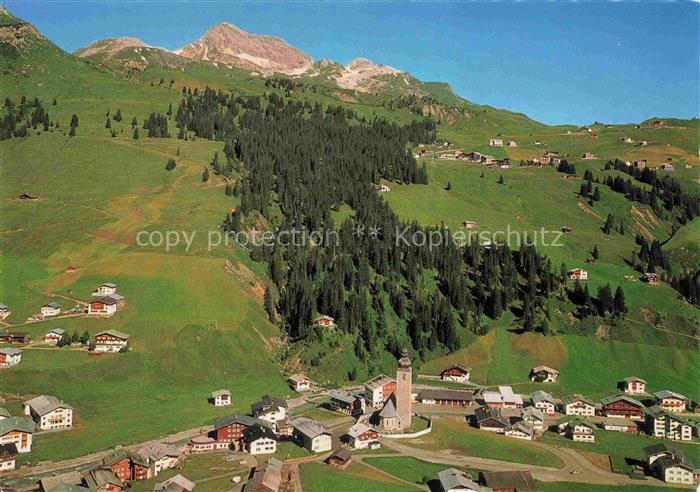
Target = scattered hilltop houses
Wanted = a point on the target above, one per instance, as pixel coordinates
(299, 383)
(458, 373)
(378, 390)
(578, 430)
(106, 306)
(578, 405)
(361, 435)
(271, 409)
(111, 341)
(450, 397)
(267, 477)
(549, 157)
(50, 309)
(17, 431)
(54, 336)
(496, 142)
(19, 338)
(544, 374)
(623, 406)
(588, 156)
(503, 398)
(259, 439)
(4, 311)
(634, 386)
(670, 464)
(650, 278)
(178, 483)
(8, 452)
(311, 435)
(221, 398)
(49, 412)
(324, 322)
(347, 403)
(544, 402)
(642, 143)
(491, 419)
(670, 401)
(453, 480)
(533, 416)
(577, 274)
(10, 357)
(161, 456)
(106, 289)
(665, 425)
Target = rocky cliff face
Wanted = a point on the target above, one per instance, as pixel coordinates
(361, 75)
(109, 47)
(229, 45)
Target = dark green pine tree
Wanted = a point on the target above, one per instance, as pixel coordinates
(595, 252)
(609, 224)
(596, 194)
(71, 133)
(74, 120)
(134, 122)
(108, 124)
(269, 305)
(605, 300)
(135, 136)
(205, 175)
(501, 180)
(619, 302)
(118, 115)
(449, 186)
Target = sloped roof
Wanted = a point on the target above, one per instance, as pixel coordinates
(108, 284)
(159, 450)
(378, 381)
(114, 333)
(545, 369)
(4, 413)
(10, 351)
(255, 432)
(461, 367)
(532, 412)
(446, 394)
(659, 448)
(358, 429)
(54, 305)
(57, 331)
(542, 396)
(101, 476)
(342, 395)
(176, 483)
(19, 424)
(669, 394)
(389, 411)
(45, 404)
(452, 478)
(577, 397)
(268, 475)
(615, 398)
(632, 379)
(308, 427)
(485, 413)
(223, 392)
(246, 420)
(267, 403)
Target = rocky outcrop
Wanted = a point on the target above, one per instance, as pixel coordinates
(109, 47)
(362, 75)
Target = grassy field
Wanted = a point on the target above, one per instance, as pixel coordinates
(316, 477)
(412, 469)
(582, 487)
(466, 440)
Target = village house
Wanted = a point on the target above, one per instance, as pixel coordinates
(543, 374)
(54, 336)
(10, 357)
(379, 389)
(650, 278)
(626, 140)
(383, 188)
(4, 311)
(206, 444)
(537, 142)
(588, 156)
(446, 397)
(661, 450)
(49, 412)
(50, 309)
(642, 143)
(447, 156)
(520, 430)
(496, 142)
(667, 166)
(178, 483)
(473, 157)
(361, 435)
(340, 459)
(619, 425)
(670, 401)
(453, 480)
(577, 274)
(230, 429)
(324, 322)
(512, 143)
(623, 406)
(544, 402)
(565, 229)
(111, 341)
(8, 453)
(578, 405)
(634, 386)
(299, 383)
(259, 439)
(311, 435)
(578, 430)
(105, 307)
(491, 419)
(508, 481)
(161, 456)
(347, 403)
(458, 373)
(106, 289)
(221, 398)
(270, 409)
(470, 224)
(4, 414)
(503, 398)
(669, 464)
(17, 431)
(267, 477)
(127, 466)
(585, 129)
(103, 480)
(533, 416)
(641, 164)
(14, 338)
(664, 425)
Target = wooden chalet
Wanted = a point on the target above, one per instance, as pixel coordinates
(458, 373)
(623, 406)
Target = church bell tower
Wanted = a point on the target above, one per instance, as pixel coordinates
(404, 388)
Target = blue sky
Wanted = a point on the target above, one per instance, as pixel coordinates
(556, 62)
